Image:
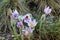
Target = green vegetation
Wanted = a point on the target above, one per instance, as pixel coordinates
(48, 28)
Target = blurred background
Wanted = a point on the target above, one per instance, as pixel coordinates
(50, 29)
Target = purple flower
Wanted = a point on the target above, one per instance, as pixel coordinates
(47, 10)
(32, 23)
(28, 31)
(20, 24)
(15, 15)
(26, 18)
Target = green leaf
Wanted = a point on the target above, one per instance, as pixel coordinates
(20, 18)
(13, 22)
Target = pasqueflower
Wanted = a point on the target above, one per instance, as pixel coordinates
(47, 10)
(32, 23)
(26, 18)
(28, 31)
(20, 24)
(15, 14)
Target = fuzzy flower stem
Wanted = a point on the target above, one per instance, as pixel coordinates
(41, 21)
(15, 33)
(40, 29)
(29, 36)
(22, 38)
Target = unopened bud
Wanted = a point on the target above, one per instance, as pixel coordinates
(9, 11)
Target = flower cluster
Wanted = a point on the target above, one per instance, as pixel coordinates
(27, 18)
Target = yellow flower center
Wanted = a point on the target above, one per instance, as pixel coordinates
(32, 25)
